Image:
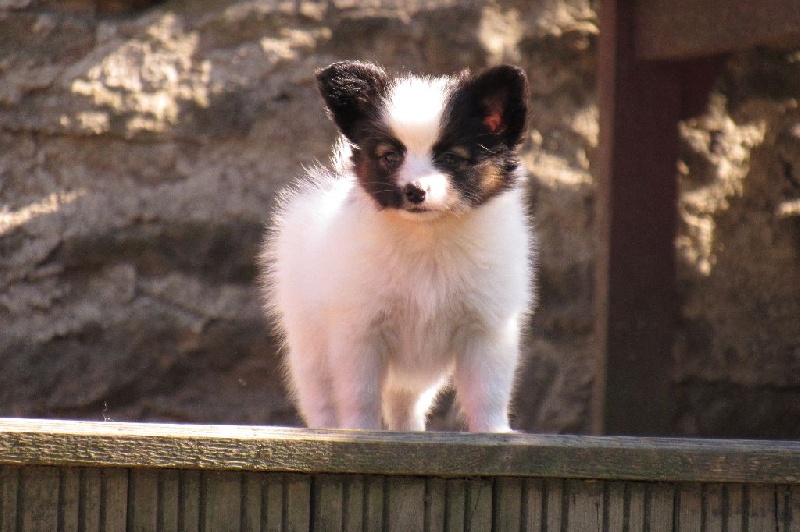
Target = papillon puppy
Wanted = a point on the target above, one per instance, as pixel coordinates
(406, 263)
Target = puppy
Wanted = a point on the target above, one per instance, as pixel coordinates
(408, 262)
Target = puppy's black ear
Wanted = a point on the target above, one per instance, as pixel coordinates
(501, 96)
(352, 91)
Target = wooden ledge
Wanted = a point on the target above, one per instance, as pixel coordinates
(252, 448)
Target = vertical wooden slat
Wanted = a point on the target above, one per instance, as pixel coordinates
(374, 487)
(353, 503)
(71, 498)
(114, 499)
(783, 507)
(615, 507)
(733, 507)
(252, 500)
(792, 508)
(714, 517)
(221, 493)
(435, 504)
(297, 503)
(405, 498)
(554, 504)
(327, 497)
(143, 500)
(761, 508)
(9, 487)
(508, 513)
(479, 504)
(455, 504)
(39, 500)
(689, 502)
(168, 499)
(636, 499)
(189, 499)
(272, 502)
(585, 506)
(532, 505)
(662, 507)
(91, 494)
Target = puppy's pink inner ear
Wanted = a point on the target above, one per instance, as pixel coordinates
(493, 117)
(494, 121)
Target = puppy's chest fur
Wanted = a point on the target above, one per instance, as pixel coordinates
(425, 300)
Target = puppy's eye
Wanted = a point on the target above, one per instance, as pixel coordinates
(391, 159)
(451, 158)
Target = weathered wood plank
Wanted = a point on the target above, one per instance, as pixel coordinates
(114, 498)
(297, 493)
(353, 491)
(373, 500)
(435, 504)
(37, 503)
(789, 508)
(34, 442)
(761, 508)
(733, 507)
(221, 495)
(168, 499)
(327, 505)
(405, 503)
(635, 498)
(479, 504)
(554, 505)
(661, 507)
(508, 504)
(614, 507)
(252, 500)
(72, 506)
(455, 504)
(9, 487)
(143, 500)
(714, 515)
(585, 506)
(690, 508)
(189, 497)
(272, 502)
(532, 504)
(626, 506)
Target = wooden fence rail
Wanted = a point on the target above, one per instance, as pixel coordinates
(61, 475)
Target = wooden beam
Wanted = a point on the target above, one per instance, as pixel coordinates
(640, 104)
(678, 29)
(215, 447)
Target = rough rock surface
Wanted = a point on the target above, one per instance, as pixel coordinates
(140, 151)
(737, 357)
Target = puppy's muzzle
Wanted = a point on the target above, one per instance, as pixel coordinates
(414, 193)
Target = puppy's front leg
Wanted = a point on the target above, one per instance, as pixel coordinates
(357, 369)
(484, 377)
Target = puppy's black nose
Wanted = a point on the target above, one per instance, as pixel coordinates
(414, 194)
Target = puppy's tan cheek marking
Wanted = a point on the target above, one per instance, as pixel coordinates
(492, 179)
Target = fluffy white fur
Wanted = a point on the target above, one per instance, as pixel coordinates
(379, 308)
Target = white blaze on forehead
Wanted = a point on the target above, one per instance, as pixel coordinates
(414, 111)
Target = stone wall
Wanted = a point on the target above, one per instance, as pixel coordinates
(140, 150)
(738, 350)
